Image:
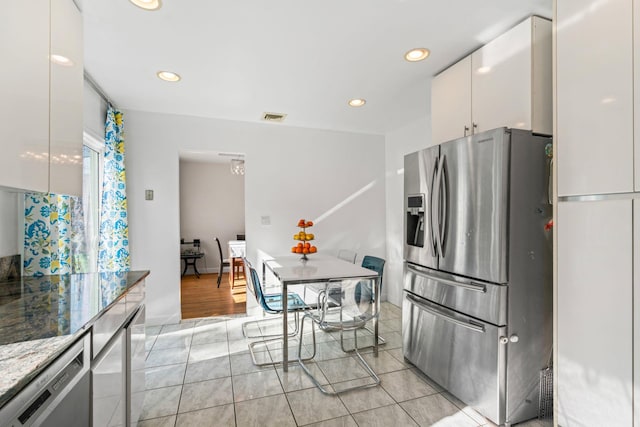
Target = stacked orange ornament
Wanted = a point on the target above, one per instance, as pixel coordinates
(304, 247)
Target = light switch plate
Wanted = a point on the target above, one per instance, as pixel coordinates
(265, 219)
(148, 194)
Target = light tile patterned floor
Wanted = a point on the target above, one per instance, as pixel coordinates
(199, 373)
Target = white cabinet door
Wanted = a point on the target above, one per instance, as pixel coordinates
(636, 317)
(451, 102)
(108, 384)
(501, 81)
(594, 329)
(24, 94)
(65, 174)
(594, 90)
(636, 91)
(511, 79)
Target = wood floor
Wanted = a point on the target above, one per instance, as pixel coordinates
(202, 298)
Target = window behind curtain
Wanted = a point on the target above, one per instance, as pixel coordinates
(91, 184)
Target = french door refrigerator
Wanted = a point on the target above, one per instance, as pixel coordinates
(477, 306)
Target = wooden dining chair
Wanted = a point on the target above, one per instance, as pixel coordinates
(223, 262)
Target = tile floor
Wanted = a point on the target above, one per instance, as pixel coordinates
(200, 373)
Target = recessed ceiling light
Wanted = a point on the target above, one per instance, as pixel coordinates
(61, 60)
(147, 4)
(484, 70)
(168, 76)
(415, 55)
(357, 102)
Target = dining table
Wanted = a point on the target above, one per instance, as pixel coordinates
(317, 268)
(237, 251)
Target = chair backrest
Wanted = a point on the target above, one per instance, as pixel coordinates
(374, 263)
(219, 250)
(356, 302)
(347, 255)
(250, 285)
(257, 289)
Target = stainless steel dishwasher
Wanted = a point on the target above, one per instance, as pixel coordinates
(58, 396)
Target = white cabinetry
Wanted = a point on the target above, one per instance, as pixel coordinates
(595, 308)
(24, 94)
(594, 97)
(41, 99)
(451, 102)
(507, 83)
(66, 96)
(117, 367)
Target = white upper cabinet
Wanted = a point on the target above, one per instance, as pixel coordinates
(594, 81)
(511, 80)
(67, 80)
(451, 102)
(24, 94)
(507, 83)
(636, 92)
(41, 96)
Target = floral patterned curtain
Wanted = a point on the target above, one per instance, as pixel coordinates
(113, 246)
(53, 235)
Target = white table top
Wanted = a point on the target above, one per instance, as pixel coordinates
(290, 269)
(237, 248)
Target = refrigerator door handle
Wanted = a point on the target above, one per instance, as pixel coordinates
(425, 306)
(432, 229)
(471, 286)
(438, 187)
(444, 200)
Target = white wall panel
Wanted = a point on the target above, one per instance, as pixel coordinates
(595, 319)
(412, 137)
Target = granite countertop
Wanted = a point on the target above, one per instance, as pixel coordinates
(41, 316)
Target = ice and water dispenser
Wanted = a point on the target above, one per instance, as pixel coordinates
(415, 220)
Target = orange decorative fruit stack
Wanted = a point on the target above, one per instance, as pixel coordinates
(304, 247)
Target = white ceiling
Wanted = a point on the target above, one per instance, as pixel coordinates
(240, 58)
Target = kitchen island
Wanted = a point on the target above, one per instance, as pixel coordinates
(41, 317)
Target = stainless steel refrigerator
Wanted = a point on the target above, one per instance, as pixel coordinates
(477, 306)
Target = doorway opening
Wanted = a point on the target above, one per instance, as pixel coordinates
(211, 207)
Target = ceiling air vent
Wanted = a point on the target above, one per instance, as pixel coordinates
(273, 117)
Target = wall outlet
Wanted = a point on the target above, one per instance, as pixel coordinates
(265, 219)
(148, 194)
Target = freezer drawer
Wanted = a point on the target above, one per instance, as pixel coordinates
(483, 300)
(462, 354)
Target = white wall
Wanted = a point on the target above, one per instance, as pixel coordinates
(11, 222)
(335, 179)
(94, 112)
(211, 205)
(407, 139)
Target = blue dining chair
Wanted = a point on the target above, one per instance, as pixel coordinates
(272, 304)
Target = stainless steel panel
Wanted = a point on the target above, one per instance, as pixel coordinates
(135, 368)
(419, 174)
(530, 273)
(476, 298)
(58, 396)
(461, 354)
(473, 196)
